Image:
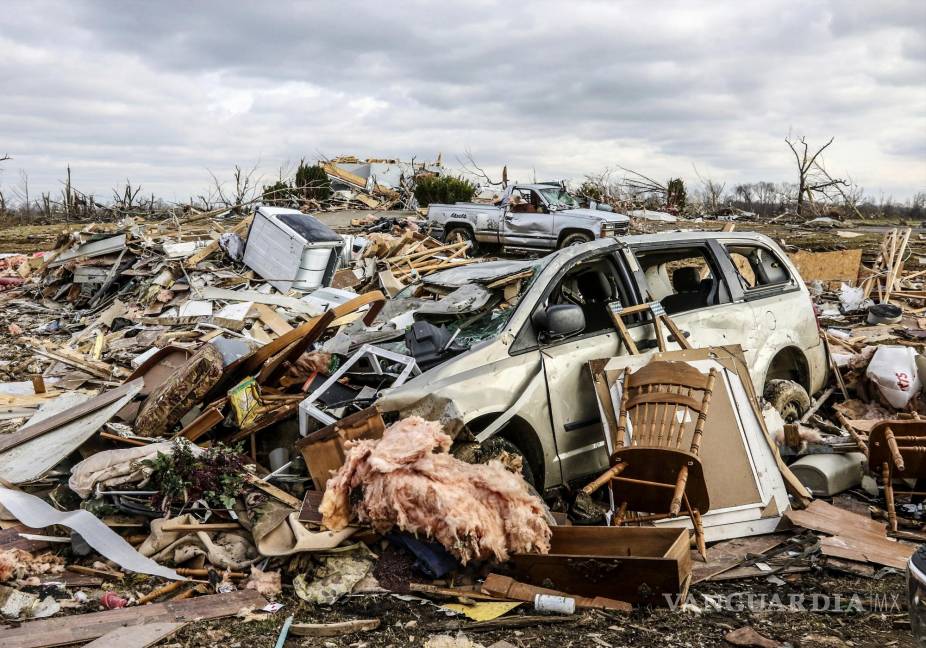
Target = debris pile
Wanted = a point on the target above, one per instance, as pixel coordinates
(212, 417)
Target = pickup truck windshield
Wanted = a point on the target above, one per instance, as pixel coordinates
(556, 197)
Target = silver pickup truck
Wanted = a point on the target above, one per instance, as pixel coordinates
(527, 218)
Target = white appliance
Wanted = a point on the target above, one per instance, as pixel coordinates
(292, 250)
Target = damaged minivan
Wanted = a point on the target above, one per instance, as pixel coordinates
(526, 384)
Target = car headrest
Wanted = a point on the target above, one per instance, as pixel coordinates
(594, 286)
(686, 279)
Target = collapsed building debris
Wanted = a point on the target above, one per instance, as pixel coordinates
(270, 408)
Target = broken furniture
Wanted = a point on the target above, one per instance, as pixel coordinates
(651, 471)
(746, 481)
(635, 564)
(897, 448)
(324, 450)
(374, 355)
(658, 319)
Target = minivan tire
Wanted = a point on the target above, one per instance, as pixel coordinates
(788, 397)
(494, 447)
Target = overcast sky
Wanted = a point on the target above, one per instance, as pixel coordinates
(160, 92)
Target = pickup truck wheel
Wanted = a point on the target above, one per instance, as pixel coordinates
(459, 234)
(788, 397)
(575, 239)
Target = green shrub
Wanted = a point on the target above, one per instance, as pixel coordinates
(312, 182)
(279, 194)
(676, 196)
(443, 189)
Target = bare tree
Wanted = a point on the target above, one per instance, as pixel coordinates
(640, 185)
(811, 178)
(712, 190)
(470, 167)
(245, 189)
(22, 192)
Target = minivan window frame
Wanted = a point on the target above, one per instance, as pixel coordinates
(525, 340)
(757, 292)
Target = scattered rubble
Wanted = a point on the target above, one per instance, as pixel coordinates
(203, 418)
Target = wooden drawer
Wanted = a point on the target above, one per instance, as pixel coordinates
(633, 564)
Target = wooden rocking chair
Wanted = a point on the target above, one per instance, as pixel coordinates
(655, 474)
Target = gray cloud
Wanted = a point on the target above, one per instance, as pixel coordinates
(160, 92)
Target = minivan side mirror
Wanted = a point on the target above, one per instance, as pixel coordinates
(558, 322)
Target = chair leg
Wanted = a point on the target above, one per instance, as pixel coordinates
(618, 518)
(887, 478)
(698, 530)
(679, 492)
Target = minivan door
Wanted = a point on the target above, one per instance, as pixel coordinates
(688, 278)
(591, 283)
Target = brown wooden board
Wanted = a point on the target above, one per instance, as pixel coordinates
(62, 631)
(30, 432)
(136, 636)
(613, 562)
(10, 538)
(837, 266)
(855, 537)
(730, 553)
(324, 450)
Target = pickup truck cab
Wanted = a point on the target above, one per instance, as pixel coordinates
(528, 381)
(527, 218)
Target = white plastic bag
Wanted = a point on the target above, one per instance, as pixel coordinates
(893, 370)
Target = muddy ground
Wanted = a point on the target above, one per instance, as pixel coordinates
(411, 623)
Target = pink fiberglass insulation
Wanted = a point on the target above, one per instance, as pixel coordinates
(409, 481)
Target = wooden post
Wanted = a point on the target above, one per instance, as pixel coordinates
(38, 384)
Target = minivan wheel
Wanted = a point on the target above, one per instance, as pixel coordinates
(575, 239)
(498, 447)
(788, 397)
(460, 234)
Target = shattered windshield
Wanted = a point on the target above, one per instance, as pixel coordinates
(488, 324)
(556, 197)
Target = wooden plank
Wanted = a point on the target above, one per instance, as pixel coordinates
(62, 631)
(10, 538)
(841, 265)
(829, 519)
(202, 424)
(854, 537)
(273, 491)
(337, 629)
(272, 319)
(96, 403)
(730, 553)
(506, 587)
(68, 357)
(137, 636)
(289, 303)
